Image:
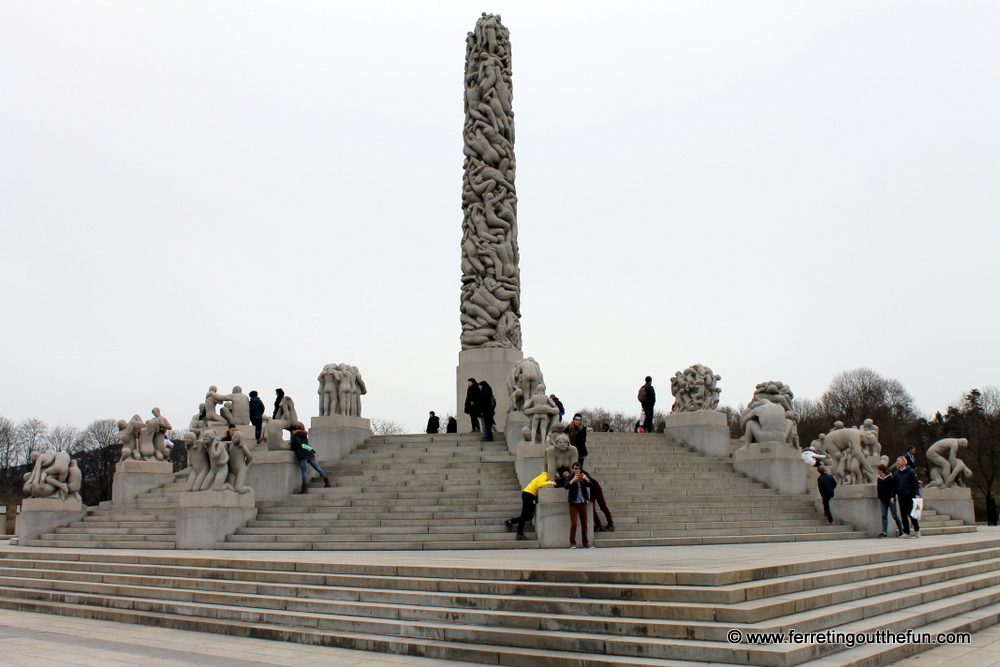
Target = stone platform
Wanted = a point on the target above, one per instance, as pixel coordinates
(663, 606)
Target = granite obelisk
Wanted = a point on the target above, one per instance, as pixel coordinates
(491, 280)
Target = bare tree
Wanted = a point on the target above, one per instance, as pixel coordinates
(30, 437)
(62, 438)
(382, 426)
(97, 450)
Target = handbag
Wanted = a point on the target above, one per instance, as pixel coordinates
(918, 508)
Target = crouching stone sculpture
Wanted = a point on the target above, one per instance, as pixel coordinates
(54, 474)
(695, 389)
(947, 470)
(769, 416)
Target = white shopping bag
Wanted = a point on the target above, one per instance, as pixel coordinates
(918, 508)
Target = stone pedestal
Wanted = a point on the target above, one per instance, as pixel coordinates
(530, 461)
(516, 421)
(335, 436)
(206, 517)
(775, 463)
(492, 364)
(858, 504)
(707, 431)
(552, 519)
(956, 501)
(135, 477)
(274, 475)
(42, 515)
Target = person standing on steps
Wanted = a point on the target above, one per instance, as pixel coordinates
(487, 408)
(647, 398)
(306, 455)
(577, 433)
(452, 426)
(907, 488)
(529, 496)
(578, 485)
(433, 423)
(826, 484)
(279, 394)
(562, 410)
(887, 498)
(256, 413)
(472, 404)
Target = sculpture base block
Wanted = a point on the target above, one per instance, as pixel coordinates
(204, 518)
(273, 475)
(859, 504)
(135, 477)
(552, 520)
(956, 501)
(530, 462)
(492, 364)
(43, 515)
(775, 463)
(515, 422)
(335, 436)
(707, 431)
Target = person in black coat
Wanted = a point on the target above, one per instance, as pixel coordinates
(256, 413)
(452, 426)
(487, 408)
(826, 484)
(577, 433)
(472, 400)
(647, 398)
(433, 423)
(887, 497)
(278, 394)
(306, 455)
(907, 488)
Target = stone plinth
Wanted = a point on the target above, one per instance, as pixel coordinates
(516, 421)
(273, 475)
(552, 518)
(335, 436)
(492, 364)
(530, 461)
(956, 501)
(43, 515)
(206, 517)
(858, 504)
(135, 477)
(707, 431)
(775, 463)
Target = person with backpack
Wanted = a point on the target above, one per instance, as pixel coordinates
(487, 408)
(256, 413)
(647, 398)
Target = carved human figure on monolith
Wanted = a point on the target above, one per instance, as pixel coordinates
(340, 390)
(946, 469)
(543, 413)
(695, 389)
(491, 281)
(218, 458)
(522, 382)
(561, 454)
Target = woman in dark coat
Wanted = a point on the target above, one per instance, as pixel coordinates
(306, 455)
(487, 407)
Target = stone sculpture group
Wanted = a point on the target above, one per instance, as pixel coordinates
(222, 410)
(946, 469)
(53, 474)
(769, 416)
(491, 281)
(854, 452)
(522, 382)
(696, 388)
(144, 440)
(216, 464)
(340, 390)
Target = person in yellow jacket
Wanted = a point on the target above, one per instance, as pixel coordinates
(529, 496)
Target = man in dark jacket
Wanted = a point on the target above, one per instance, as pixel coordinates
(472, 404)
(256, 413)
(907, 488)
(487, 409)
(647, 399)
(826, 484)
(597, 500)
(887, 497)
(578, 485)
(433, 423)
(559, 405)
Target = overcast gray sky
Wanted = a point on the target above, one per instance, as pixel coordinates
(197, 193)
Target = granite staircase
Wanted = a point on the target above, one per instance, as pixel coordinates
(592, 612)
(147, 523)
(409, 492)
(661, 492)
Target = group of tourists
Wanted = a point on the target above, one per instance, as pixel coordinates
(434, 424)
(896, 488)
(481, 405)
